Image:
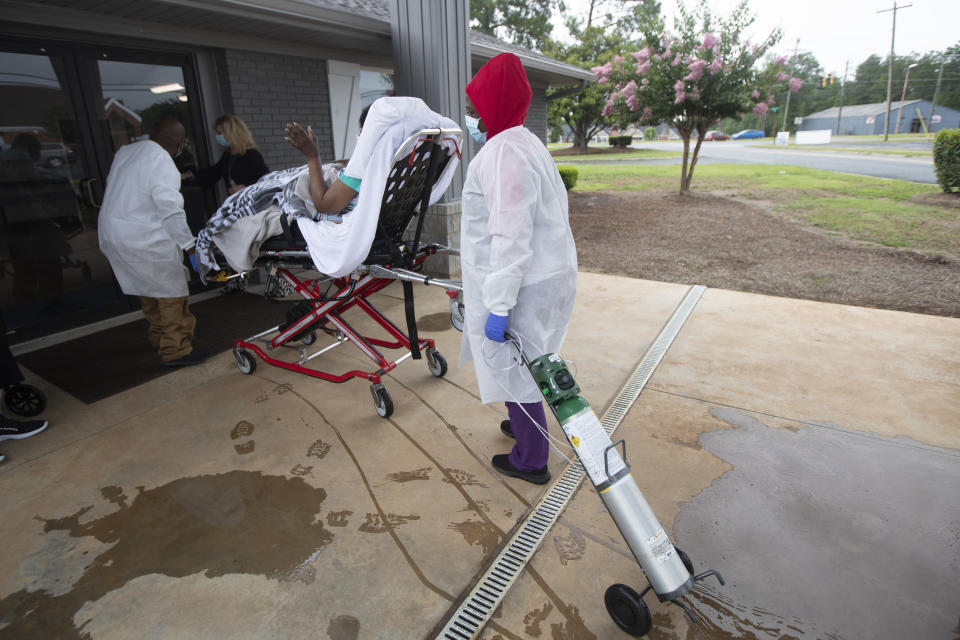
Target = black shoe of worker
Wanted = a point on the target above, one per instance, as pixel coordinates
(19, 429)
(506, 430)
(194, 357)
(501, 462)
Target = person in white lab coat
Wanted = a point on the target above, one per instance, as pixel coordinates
(143, 232)
(518, 258)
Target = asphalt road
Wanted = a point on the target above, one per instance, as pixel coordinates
(746, 152)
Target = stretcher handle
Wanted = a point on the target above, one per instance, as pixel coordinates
(606, 458)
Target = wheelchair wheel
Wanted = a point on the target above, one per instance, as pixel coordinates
(436, 363)
(382, 401)
(24, 400)
(245, 362)
(456, 313)
(309, 339)
(628, 610)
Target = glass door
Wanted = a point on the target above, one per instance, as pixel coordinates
(64, 111)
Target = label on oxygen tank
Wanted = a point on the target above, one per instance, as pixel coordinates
(588, 438)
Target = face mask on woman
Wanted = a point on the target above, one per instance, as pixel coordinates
(222, 141)
(473, 126)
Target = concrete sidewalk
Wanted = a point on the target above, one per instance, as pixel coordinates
(807, 451)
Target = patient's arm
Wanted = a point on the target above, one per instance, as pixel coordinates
(330, 199)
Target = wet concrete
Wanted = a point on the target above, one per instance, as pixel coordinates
(822, 505)
(388, 521)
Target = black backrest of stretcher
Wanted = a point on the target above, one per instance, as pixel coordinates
(402, 195)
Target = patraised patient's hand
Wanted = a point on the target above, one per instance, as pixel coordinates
(304, 141)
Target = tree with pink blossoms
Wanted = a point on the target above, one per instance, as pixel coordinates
(691, 79)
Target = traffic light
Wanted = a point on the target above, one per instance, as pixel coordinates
(823, 81)
(831, 79)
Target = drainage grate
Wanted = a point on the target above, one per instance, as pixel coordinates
(468, 620)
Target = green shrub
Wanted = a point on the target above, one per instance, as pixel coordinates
(946, 159)
(569, 176)
(620, 141)
(649, 133)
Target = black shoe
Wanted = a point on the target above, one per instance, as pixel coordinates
(19, 429)
(194, 357)
(501, 462)
(506, 430)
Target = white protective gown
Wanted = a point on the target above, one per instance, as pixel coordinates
(518, 258)
(142, 226)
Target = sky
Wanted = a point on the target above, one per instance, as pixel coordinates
(837, 31)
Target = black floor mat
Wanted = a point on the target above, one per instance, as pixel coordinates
(104, 363)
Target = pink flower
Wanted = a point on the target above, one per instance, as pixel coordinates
(760, 108)
(666, 40)
(608, 107)
(646, 113)
(679, 86)
(642, 55)
(795, 84)
(681, 96)
(781, 76)
(709, 41)
(755, 95)
(696, 70)
(632, 103)
(644, 67)
(603, 80)
(617, 59)
(716, 65)
(780, 61)
(770, 100)
(676, 60)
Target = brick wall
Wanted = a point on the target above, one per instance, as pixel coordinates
(537, 115)
(266, 91)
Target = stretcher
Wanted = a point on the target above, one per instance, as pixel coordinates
(320, 302)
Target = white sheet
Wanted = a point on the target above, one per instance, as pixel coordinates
(338, 249)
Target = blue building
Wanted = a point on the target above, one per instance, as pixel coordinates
(864, 119)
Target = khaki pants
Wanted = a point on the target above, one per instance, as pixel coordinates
(171, 326)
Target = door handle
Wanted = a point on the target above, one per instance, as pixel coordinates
(88, 188)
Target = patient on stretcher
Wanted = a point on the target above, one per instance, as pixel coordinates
(337, 218)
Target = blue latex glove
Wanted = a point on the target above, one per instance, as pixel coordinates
(495, 327)
(193, 261)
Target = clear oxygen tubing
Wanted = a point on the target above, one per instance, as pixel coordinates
(553, 441)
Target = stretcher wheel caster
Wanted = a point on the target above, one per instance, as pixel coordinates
(309, 338)
(685, 559)
(436, 363)
(245, 362)
(25, 400)
(382, 401)
(456, 312)
(628, 610)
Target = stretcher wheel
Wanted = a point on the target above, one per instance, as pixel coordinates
(456, 312)
(25, 400)
(382, 401)
(685, 559)
(628, 610)
(436, 363)
(245, 362)
(309, 339)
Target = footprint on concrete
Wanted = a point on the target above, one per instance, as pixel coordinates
(463, 478)
(281, 389)
(406, 476)
(532, 620)
(343, 628)
(243, 429)
(301, 470)
(373, 523)
(571, 546)
(338, 518)
(318, 449)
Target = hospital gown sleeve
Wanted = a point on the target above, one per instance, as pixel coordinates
(511, 191)
(165, 192)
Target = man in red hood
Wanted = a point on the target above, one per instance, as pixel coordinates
(518, 259)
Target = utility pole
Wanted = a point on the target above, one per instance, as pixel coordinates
(843, 88)
(786, 108)
(936, 94)
(893, 36)
(903, 97)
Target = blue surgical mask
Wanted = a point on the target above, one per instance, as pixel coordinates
(473, 127)
(222, 141)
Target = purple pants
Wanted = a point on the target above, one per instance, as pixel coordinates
(531, 451)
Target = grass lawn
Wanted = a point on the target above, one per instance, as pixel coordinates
(861, 207)
(609, 156)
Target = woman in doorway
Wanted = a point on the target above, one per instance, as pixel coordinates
(241, 163)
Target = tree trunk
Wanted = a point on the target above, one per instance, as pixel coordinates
(701, 132)
(684, 184)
